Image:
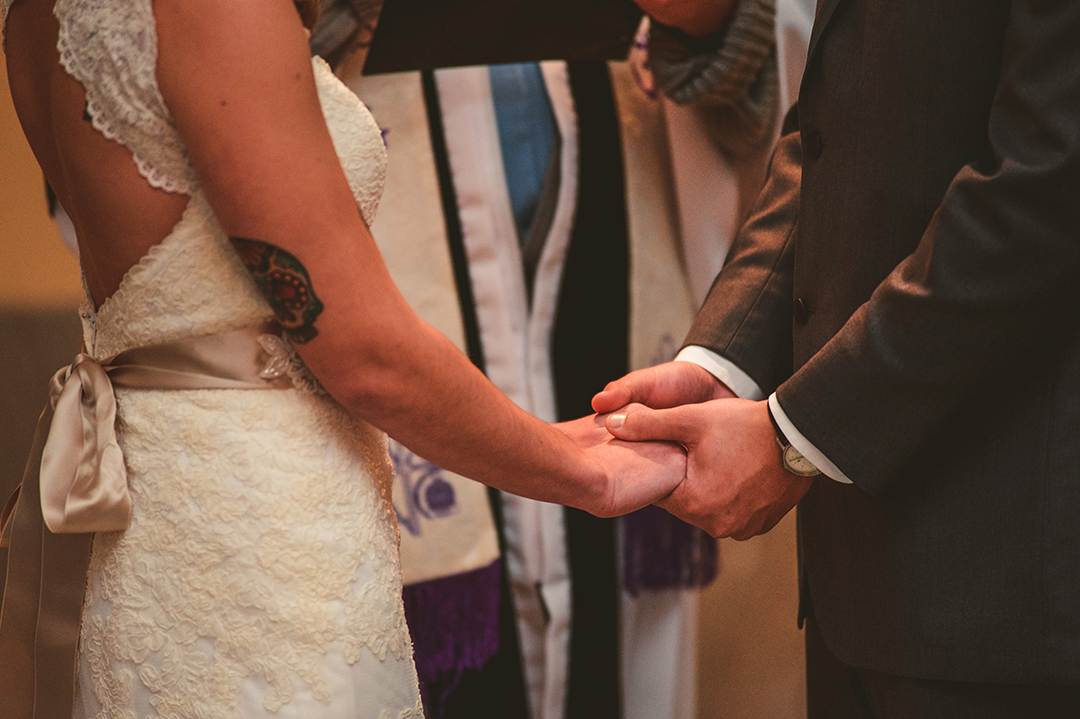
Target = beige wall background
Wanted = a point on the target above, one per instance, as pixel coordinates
(39, 293)
(750, 657)
(39, 272)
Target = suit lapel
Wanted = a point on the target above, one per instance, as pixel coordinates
(824, 13)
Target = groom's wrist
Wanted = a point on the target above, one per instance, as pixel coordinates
(727, 372)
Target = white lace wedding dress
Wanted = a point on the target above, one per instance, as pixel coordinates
(260, 573)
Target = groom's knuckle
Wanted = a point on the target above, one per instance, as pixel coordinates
(719, 529)
(692, 504)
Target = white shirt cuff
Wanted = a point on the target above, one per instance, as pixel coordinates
(796, 439)
(722, 369)
(740, 383)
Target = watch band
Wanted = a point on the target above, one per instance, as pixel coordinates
(793, 460)
(780, 437)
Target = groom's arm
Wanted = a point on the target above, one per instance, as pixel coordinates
(745, 323)
(747, 316)
(741, 341)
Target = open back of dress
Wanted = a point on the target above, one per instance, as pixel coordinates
(260, 572)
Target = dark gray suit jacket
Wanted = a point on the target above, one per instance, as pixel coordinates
(909, 284)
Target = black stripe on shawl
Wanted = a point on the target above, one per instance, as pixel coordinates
(500, 684)
(590, 347)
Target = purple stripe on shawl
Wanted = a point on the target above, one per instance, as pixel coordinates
(661, 551)
(454, 623)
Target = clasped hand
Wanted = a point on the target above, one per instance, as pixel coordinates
(636, 474)
(735, 484)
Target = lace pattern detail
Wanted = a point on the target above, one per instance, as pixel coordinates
(244, 558)
(5, 5)
(356, 137)
(111, 49)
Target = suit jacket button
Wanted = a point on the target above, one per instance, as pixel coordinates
(813, 144)
(801, 311)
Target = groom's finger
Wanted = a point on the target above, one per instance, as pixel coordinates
(636, 423)
(687, 506)
(666, 385)
(634, 387)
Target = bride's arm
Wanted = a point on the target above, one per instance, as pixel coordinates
(238, 80)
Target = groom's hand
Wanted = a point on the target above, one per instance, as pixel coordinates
(736, 485)
(666, 385)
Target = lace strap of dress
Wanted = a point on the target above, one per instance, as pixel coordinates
(110, 47)
(5, 5)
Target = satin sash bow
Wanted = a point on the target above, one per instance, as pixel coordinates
(75, 484)
(83, 480)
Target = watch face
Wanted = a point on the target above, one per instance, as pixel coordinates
(796, 463)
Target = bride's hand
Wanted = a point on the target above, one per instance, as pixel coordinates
(637, 473)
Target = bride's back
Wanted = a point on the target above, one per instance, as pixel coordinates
(117, 215)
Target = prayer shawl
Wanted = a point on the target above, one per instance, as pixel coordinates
(610, 282)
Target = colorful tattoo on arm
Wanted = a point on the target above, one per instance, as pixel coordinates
(285, 284)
